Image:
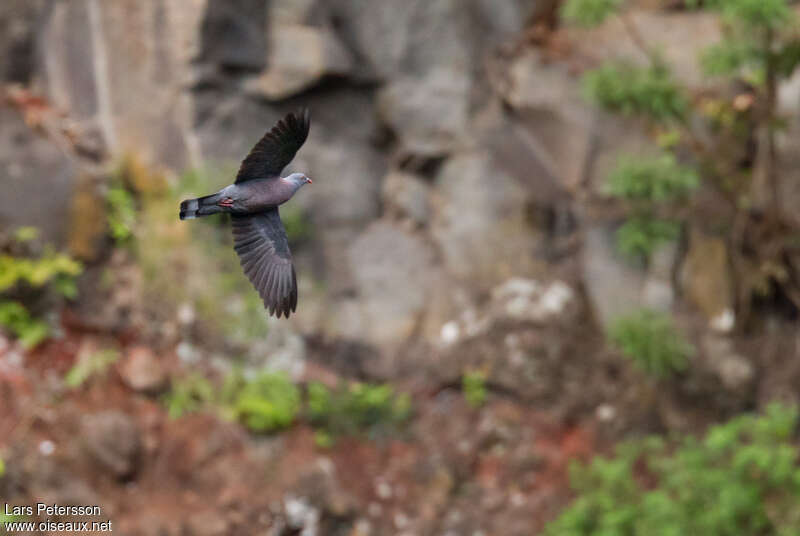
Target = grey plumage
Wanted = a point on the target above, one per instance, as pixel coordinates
(252, 201)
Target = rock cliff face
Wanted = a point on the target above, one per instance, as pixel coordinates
(448, 147)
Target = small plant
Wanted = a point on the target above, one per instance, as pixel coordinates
(28, 330)
(89, 365)
(121, 213)
(656, 179)
(742, 478)
(639, 237)
(589, 12)
(358, 407)
(646, 182)
(267, 403)
(49, 268)
(187, 395)
(630, 90)
(23, 269)
(650, 339)
(473, 384)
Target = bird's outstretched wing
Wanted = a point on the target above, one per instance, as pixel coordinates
(263, 249)
(276, 149)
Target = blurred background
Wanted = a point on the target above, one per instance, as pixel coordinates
(549, 267)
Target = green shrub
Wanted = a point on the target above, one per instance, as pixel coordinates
(45, 270)
(742, 478)
(358, 407)
(639, 237)
(651, 340)
(49, 268)
(267, 403)
(647, 182)
(121, 213)
(473, 384)
(589, 12)
(28, 330)
(90, 365)
(654, 179)
(630, 90)
(187, 395)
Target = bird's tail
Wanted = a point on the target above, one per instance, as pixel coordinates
(202, 206)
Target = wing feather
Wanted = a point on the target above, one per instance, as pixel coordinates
(276, 148)
(263, 249)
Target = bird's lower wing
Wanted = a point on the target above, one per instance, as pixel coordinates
(263, 249)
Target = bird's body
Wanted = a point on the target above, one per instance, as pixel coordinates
(252, 201)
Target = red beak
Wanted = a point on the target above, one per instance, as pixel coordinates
(310, 181)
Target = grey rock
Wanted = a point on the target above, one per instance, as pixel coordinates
(414, 37)
(131, 89)
(234, 33)
(613, 285)
(36, 174)
(406, 195)
(555, 126)
(299, 56)
(479, 221)
(677, 35)
(393, 272)
(112, 439)
(17, 39)
(658, 292)
(429, 113)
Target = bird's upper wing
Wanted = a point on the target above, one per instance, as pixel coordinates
(263, 249)
(276, 149)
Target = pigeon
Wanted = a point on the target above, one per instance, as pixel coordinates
(252, 201)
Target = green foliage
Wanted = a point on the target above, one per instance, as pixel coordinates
(2, 467)
(639, 237)
(89, 365)
(631, 90)
(648, 181)
(51, 267)
(359, 407)
(47, 270)
(187, 395)
(728, 56)
(743, 45)
(589, 12)
(742, 478)
(16, 318)
(754, 13)
(655, 179)
(121, 213)
(473, 384)
(25, 234)
(267, 403)
(652, 341)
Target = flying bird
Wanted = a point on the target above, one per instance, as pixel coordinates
(252, 201)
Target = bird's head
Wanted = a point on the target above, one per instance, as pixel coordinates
(298, 179)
